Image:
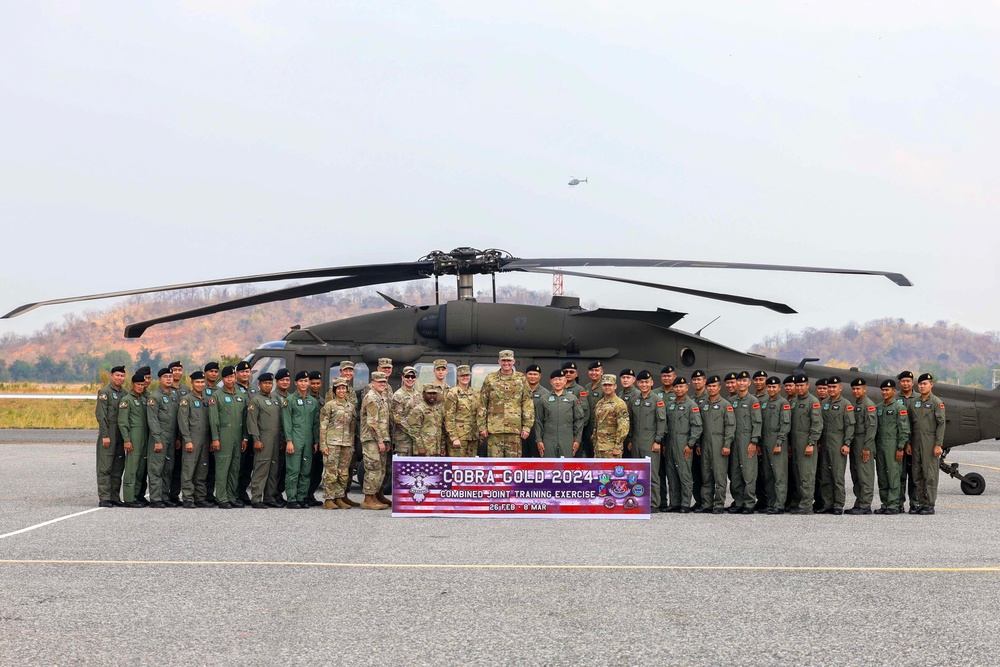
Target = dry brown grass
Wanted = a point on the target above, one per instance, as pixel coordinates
(55, 413)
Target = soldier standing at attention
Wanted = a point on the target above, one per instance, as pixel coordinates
(906, 486)
(759, 380)
(509, 409)
(574, 387)
(743, 461)
(161, 414)
(425, 423)
(700, 397)
(666, 389)
(807, 427)
(890, 442)
(863, 448)
(628, 390)
(776, 422)
(718, 430)
(316, 469)
(838, 433)
(683, 433)
(192, 422)
(282, 391)
(300, 422)
(595, 371)
(227, 409)
(559, 420)
(211, 379)
(611, 422)
(110, 446)
(927, 421)
(177, 370)
(402, 403)
(463, 416)
(440, 375)
(264, 430)
(337, 423)
(533, 375)
(790, 392)
(133, 427)
(375, 443)
(647, 427)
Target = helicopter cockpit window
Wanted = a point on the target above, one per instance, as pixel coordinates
(479, 373)
(361, 374)
(265, 365)
(425, 374)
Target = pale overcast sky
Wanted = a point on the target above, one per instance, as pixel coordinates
(146, 143)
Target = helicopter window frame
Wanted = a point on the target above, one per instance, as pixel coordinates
(266, 364)
(688, 357)
(425, 374)
(479, 373)
(362, 375)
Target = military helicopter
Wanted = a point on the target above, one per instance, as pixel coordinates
(465, 331)
(577, 181)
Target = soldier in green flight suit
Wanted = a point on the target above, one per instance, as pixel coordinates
(759, 391)
(192, 422)
(863, 448)
(243, 374)
(300, 423)
(838, 433)
(718, 430)
(776, 422)
(648, 424)
(574, 387)
(161, 414)
(807, 427)
(264, 431)
(134, 430)
(683, 433)
(177, 370)
(927, 423)
(227, 409)
(890, 443)
(559, 420)
(699, 395)
(743, 461)
(212, 369)
(110, 446)
(908, 396)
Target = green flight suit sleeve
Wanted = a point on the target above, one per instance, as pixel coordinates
(213, 417)
(624, 424)
(104, 429)
(694, 417)
(253, 421)
(631, 422)
(784, 424)
(816, 424)
(729, 428)
(939, 416)
(661, 422)
(903, 433)
(286, 420)
(539, 423)
(848, 425)
(579, 420)
(183, 421)
(315, 425)
(153, 420)
(123, 421)
(756, 422)
(871, 427)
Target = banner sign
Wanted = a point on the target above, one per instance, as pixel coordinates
(520, 488)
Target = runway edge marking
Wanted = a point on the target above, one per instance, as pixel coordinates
(50, 522)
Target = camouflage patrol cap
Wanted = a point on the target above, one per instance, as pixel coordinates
(905, 374)
(595, 364)
(759, 374)
(340, 382)
(378, 376)
(627, 371)
(282, 374)
(698, 374)
(822, 382)
(384, 362)
(887, 384)
(925, 376)
(680, 381)
(644, 375)
(743, 375)
(431, 388)
(163, 371)
(228, 370)
(243, 366)
(198, 375)
(730, 376)
(346, 364)
(774, 379)
(713, 379)
(608, 378)
(463, 370)
(409, 371)
(859, 382)
(265, 377)
(506, 355)
(440, 363)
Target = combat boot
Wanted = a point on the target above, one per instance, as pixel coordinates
(341, 504)
(347, 499)
(382, 499)
(330, 505)
(372, 504)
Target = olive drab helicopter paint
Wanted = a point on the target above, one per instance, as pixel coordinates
(465, 331)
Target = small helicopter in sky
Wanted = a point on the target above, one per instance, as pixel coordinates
(577, 181)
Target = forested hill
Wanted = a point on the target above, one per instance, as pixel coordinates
(76, 349)
(948, 351)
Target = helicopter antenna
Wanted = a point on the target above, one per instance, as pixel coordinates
(802, 364)
(698, 332)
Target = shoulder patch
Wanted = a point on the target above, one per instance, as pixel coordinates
(815, 405)
(786, 406)
(184, 401)
(871, 408)
(729, 408)
(151, 402)
(211, 401)
(659, 404)
(251, 407)
(123, 404)
(850, 408)
(756, 406)
(902, 413)
(941, 406)
(695, 409)
(583, 393)
(102, 396)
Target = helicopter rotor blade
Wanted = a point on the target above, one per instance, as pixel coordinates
(515, 264)
(731, 298)
(137, 329)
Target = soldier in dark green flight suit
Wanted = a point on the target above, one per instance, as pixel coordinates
(743, 460)
(559, 420)
(699, 395)
(243, 374)
(759, 391)
(211, 379)
(161, 414)
(177, 370)
(776, 423)
(907, 396)
(628, 393)
(838, 433)
(718, 430)
(648, 424)
(578, 390)
(264, 431)
(110, 446)
(533, 374)
(134, 430)
(316, 471)
(683, 434)
(927, 423)
(595, 392)
(890, 443)
(192, 422)
(227, 409)
(863, 448)
(300, 422)
(807, 427)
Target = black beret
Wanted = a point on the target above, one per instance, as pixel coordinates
(678, 381)
(534, 367)
(626, 371)
(138, 377)
(301, 375)
(594, 364)
(859, 382)
(822, 382)
(801, 378)
(227, 371)
(697, 374)
(925, 376)
(265, 377)
(243, 366)
(282, 374)
(569, 366)
(198, 375)
(212, 366)
(730, 376)
(175, 364)
(118, 369)
(774, 379)
(558, 373)
(834, 379)
(789, 380)
(644, 375)
(713, 379)
(163, 371)
(667, 369)
(887, 384)
(144, 370)
(315, 375)
(759, 374)
(905, 374)
(743, 375)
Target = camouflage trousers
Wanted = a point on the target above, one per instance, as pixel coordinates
(503, 445)
(336, 471)
(605, 450)
(375, 462)
(466, 448)
(403, 446)
(430, 447)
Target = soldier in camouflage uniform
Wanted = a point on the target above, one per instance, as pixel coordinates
(110, 446)
(337, 424)
(425, 423)
(264, 430)
(776, 422)
(192, 422)
(533, 374)
(838, 433)
(863, 448)
(509, 408)
(683, 433)
(161, 415)
(227, 409)
(611, 422)
(807, 427)
(891, 436)
(559, 420)
(440, 376)
(133, 428)
(401, 404)
(718, 429)
(374, 424)
(464, 417)
(927, 424)
(743, 461)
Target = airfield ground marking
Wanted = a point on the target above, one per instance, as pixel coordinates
(977, 465)
(49, 522)
(455, 566)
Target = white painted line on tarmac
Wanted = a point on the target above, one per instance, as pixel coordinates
(49, 522)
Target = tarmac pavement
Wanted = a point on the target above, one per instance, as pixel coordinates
(175, 586)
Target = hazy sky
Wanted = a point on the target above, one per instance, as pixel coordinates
(146, 143)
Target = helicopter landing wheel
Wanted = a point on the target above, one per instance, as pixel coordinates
(973, 484)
